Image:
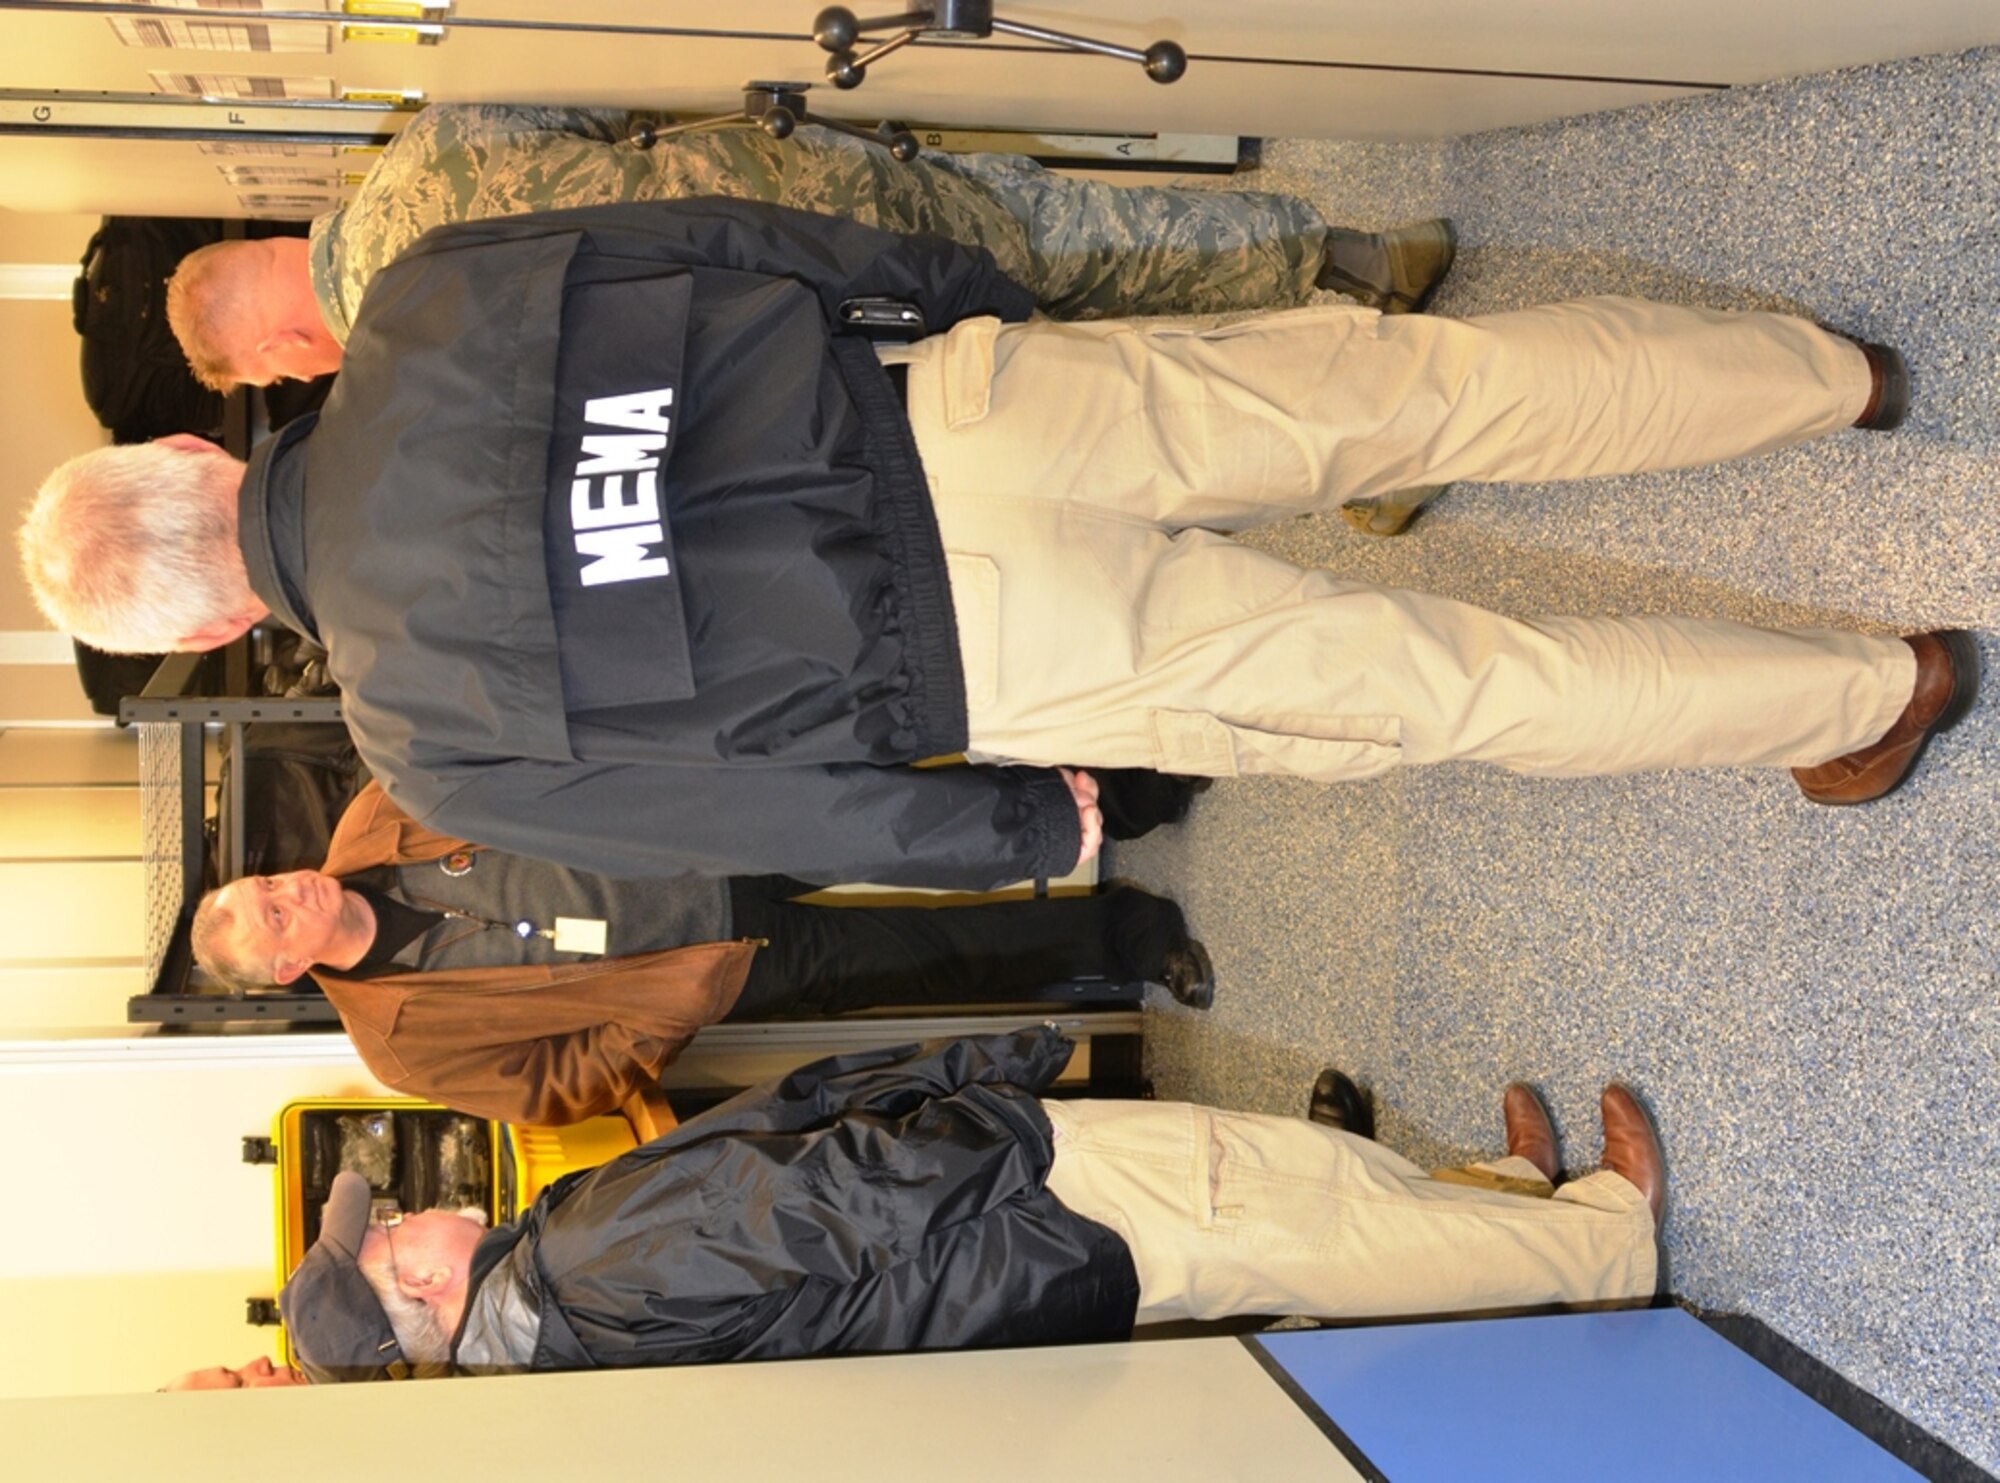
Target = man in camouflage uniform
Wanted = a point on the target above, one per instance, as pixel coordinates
(257, 312)
(1084, 248)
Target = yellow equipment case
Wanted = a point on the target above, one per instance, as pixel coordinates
(417, 1155)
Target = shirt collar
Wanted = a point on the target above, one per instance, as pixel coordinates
(323, 241)
(270, 515)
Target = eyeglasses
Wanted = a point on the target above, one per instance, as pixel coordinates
(387, 1221)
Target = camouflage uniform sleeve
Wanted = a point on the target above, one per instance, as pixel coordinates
(461, 162)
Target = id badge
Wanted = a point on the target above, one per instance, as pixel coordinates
(580, 935)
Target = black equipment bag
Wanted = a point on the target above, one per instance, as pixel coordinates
(109, 678)
(134, 375)
(299, 777)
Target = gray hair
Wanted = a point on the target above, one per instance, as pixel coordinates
(416, 1325)
(132, 549)
(212, 935)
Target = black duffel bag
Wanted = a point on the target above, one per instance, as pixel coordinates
(134, 376)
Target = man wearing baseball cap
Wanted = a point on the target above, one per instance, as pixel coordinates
(331, 1300)
(925, 1197)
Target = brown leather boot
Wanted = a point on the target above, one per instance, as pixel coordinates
(1530, 1134)
(1632, 1148)
(1395, 271)
(1947, 682)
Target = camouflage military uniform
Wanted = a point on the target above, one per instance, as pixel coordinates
(1086, 249)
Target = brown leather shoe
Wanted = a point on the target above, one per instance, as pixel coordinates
(1530, 1134)
(1889, 389)
(1947, 682)
(1632, 1148)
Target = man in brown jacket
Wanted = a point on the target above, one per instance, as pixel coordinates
(517, 989)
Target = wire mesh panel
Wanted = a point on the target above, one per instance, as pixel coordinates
(161, 832)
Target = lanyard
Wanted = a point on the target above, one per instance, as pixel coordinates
(522, 929)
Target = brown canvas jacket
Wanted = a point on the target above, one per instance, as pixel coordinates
(547, 1044)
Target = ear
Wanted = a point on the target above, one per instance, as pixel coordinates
(219, 632)
(426, 1283)
(287, 970)
(186, 443)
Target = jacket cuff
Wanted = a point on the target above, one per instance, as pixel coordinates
(1058, 836)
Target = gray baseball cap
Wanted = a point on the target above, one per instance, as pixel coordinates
(337, 1329)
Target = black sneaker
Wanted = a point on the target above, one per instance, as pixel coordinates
(1188, 974)
(1337, 1102)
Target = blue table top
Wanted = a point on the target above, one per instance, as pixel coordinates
(1631, 1396)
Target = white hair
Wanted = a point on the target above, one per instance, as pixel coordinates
(418, 1330)
(133, 549)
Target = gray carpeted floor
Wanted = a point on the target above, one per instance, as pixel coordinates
(1809, 998)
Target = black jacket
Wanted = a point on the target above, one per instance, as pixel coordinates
(880, 1202)
(625, 559)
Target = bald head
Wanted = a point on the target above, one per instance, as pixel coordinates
(258, 1374)
(245, 314)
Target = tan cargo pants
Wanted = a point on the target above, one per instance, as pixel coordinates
(1231, 1213)
(1080, 472)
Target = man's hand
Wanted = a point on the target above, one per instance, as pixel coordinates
(1083, 788)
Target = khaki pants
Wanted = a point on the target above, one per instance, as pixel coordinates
(1071, 465)
(1230, 1213)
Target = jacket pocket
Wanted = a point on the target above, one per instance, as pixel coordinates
(1202, 745)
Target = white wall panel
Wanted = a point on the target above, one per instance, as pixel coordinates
(147, 1230)
(97, 758)
(59, 823)
(1185, 1411)
(91, 909)
(68, 1000)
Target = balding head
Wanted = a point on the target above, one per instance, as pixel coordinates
(257, 1374)
(245, 314)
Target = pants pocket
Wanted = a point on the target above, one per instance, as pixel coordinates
(975, 600)
(965, 370)
(1335, 321)
(1275, 1190)
(1202, 745)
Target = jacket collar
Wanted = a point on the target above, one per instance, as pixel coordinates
(270, 517)
(374, 831)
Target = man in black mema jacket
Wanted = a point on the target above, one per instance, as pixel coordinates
(519, 673)
(924, 1197)
(620, 540)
